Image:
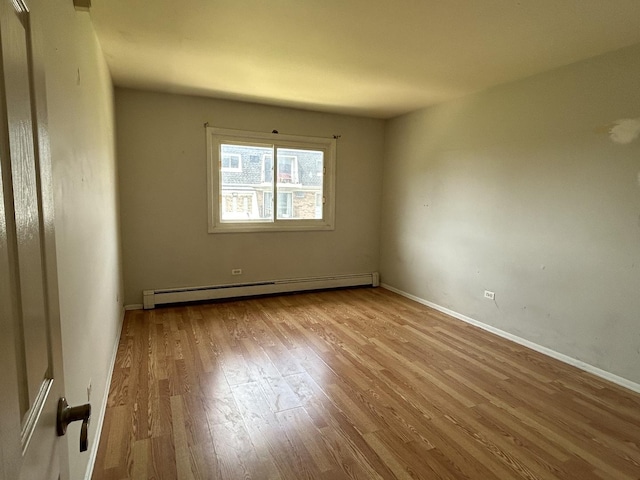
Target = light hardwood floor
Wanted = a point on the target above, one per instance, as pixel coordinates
(351, 384)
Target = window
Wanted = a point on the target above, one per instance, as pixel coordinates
(267, 168)
(285, 205)
(287, 169)
(231, 162)
(319, 202)
(267, 204)
(263, 182)
(239, 205)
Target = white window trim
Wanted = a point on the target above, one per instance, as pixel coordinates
(216, 136)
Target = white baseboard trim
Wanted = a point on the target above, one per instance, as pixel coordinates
(135, 306)
(623, 382)
(103, 408)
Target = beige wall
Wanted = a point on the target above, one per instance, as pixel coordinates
(520, 190)
(163, 187)
(81, 123)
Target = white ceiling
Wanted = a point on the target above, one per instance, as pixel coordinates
(377, 58)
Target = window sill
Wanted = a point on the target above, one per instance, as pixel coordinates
(262, 228)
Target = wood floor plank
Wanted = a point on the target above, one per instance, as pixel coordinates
(183, 460)
(266, 432)
(163, 458)
(229, 440)
(141, 454)
(351, 384)
(296, 420)
(217, 399)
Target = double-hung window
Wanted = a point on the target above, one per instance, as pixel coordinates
(270, 182)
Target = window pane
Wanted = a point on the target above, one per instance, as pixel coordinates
(300, 176)
(246, 188)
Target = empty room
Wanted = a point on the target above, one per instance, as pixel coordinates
(320, 240)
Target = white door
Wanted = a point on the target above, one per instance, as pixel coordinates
(30, 347)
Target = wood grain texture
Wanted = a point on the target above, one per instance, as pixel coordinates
(352, 384)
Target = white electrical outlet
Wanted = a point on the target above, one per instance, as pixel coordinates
(489, 295)
(89, 392)
(236, 271)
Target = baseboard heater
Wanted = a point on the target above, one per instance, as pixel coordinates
(233, 290)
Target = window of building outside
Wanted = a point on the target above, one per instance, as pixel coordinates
(249, 191)
(231, 162)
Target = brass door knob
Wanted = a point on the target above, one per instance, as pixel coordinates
(67, 414)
